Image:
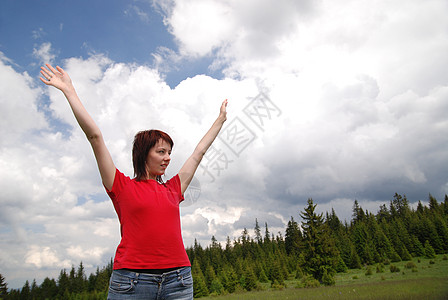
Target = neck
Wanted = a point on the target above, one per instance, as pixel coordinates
(151, 178)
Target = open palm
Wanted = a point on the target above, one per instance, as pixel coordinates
(55, 77)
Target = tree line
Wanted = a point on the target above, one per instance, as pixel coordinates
(311, 252)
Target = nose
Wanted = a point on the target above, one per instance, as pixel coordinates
(167, 157)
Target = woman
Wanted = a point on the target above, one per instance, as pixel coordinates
(150, 261)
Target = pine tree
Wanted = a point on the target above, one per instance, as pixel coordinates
(25, 293)
(445, 206)
(404, 254)
(250, 281)
(275, 273)
(433, 204)
(420, 208)
(209, 275)
(429, 250)
(3, 287)
(35, 291)
(428, 232)
(361, 240)
(102, 279)
(216, 287)
(262, 276)
(228, 252)
(266, 234)
(200, 286)
(404, 237)
(63, 283)
(229, 279)
(381, 244)
(245, 242)
(80, 280)
(383, 214)
(320, 251)
(340, 265)
(72, 280)
(442, 232)
(358, 213)
(355, 262)
(333, 222)
(215, 255)
(419, 250)
(257, 230)
(293, 238)
(49, 289)
(198, 253)
(400, 206)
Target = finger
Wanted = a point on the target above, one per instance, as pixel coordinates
(224, 104)
(60, 69)
(46, 73)
(44, 81)
(51, 68)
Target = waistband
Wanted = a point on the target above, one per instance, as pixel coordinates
(133, 274)
(153, 271)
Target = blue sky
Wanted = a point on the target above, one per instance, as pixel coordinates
(332, 100)
(126, 31)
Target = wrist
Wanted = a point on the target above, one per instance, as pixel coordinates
(69, 90)
(221, 119)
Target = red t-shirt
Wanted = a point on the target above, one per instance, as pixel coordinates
(150, 223)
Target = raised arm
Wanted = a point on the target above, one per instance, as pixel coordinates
(187, 171)
(60, 80)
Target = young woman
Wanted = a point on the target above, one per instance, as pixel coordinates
(150, 261)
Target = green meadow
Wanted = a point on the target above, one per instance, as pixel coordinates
(416, 279)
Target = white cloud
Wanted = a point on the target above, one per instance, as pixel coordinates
(209, 29)
(44, 257)
(94, 253)
(19, 105)
(324, 40)
(44, 53)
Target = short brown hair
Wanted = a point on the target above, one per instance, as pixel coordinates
(143, 142)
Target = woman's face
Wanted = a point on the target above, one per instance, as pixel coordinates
(158, 159)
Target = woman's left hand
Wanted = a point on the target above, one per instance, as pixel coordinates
(223, 111)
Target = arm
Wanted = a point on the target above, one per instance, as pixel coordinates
(187, 171)
(60, 80)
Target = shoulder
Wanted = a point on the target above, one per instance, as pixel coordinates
(121, 177)
(120, 181)
(174, 184)
(175, 180)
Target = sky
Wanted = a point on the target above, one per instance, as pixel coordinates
(331, 100)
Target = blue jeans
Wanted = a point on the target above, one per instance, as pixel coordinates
(177, 284)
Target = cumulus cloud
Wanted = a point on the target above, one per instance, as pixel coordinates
(357, 86)
(44, 257)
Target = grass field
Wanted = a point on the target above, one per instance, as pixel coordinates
(428, 279)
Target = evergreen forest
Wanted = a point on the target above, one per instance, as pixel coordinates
(316, 249)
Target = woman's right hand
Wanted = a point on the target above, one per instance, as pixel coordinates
(56, 77)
